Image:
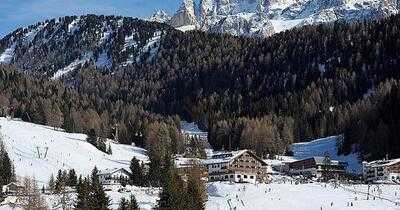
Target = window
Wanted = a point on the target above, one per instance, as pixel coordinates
(231, 176)
(238, 176)
(251, 177)
(245, 176)
(226, 176)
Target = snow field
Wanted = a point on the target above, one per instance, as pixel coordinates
(286, 196)
(24, 141)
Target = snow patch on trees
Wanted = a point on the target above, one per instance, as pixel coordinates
(7, 56)
(104, 61)
(74, 26)
(73, 66)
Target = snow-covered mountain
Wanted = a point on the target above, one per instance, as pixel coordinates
(59, 46)
(160, 16)
(266, 17)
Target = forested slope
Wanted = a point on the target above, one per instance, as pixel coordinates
(261, 94)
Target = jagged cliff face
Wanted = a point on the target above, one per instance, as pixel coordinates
(160, 16)
(266, 17)
(237, 17)
(185, 15)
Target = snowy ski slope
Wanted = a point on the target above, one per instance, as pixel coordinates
(65, 151)
(287, 196)
(323, 146)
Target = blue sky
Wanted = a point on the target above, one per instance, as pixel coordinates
(20, 13)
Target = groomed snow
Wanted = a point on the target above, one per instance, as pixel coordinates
(65, 151)
(287, 196)
(326, 146)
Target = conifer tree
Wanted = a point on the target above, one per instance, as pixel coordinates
(72, 178)
(98, 198)
(137, 177)
(109, 150)
(123, 204)
(133, 203)
(83, 190)
(7, 169)
(51, 184)
(195, 194)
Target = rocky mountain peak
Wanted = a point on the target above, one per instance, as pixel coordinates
(255, 17)
(185, 15)
(160, 16)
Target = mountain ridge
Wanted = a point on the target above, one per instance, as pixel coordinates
(59, 46)
(262, 18)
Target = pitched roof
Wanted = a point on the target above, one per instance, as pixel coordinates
(321, 161)
(181, 162)
(111, 171)
(378, 163)
(226, 157)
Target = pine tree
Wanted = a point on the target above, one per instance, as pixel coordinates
(72, 178)
(173, 194)
(133, 203)
(195, 194)
(123, 204)
(98, 199)
(51, 185)
(83, 190)
(136, 173)
(60, 182)
(109, 150)
(92, 137)
(7, 170)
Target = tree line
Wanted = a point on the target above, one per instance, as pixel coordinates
(294, 86)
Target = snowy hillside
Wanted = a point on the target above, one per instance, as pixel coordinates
(326, 146)
(63, 45)
(65, 151)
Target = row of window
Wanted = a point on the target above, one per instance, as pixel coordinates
(217, 166)
(226, 177)
(241, 166)
(247, 161)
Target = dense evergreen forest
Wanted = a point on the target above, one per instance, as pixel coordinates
(261, 94)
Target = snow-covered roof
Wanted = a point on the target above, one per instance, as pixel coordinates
(380, 163)
(280, 160)
(226, 157)
(321, 161)
(181, 162)
(111, 171)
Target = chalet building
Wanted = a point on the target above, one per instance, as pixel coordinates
(316, 166)
(185, 166)
(236, 166)
(12, 188)
(113, 176)
(382, 170)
